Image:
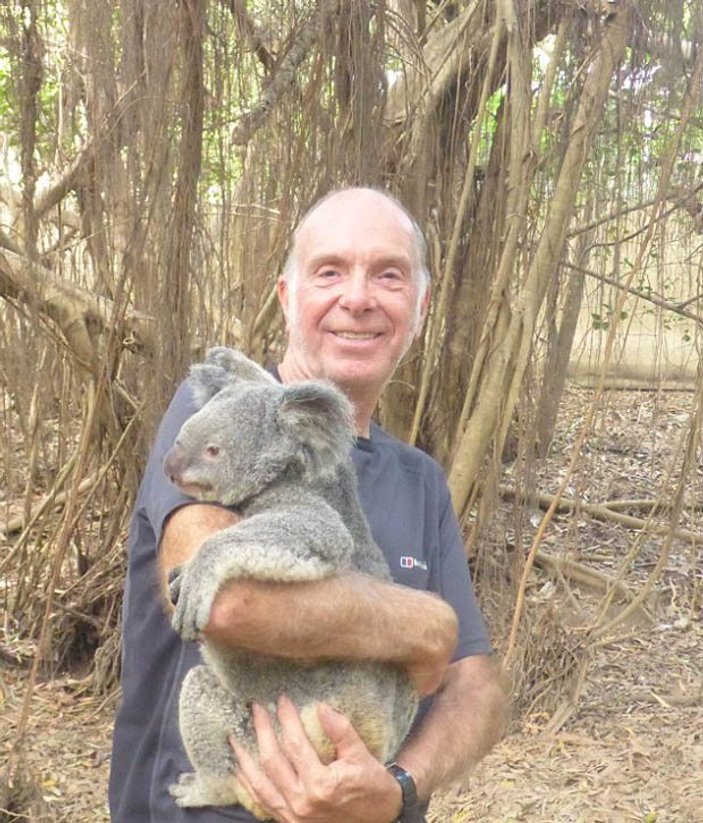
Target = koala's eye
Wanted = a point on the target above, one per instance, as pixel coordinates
(212, 451)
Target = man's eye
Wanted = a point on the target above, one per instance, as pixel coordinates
(327, 277)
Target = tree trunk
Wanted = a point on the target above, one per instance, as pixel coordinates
(508, 356)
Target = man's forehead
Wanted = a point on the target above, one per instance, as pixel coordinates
(350, 221)
(355, 204)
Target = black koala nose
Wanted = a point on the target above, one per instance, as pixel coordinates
(173, 464)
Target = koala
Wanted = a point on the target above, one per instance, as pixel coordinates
(281, 456)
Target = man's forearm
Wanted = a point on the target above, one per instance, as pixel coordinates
(466, 720)
(339, 618)
(352, 616)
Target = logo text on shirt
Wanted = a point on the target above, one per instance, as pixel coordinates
(408, 562)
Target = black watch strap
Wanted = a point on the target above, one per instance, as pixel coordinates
(411, 812)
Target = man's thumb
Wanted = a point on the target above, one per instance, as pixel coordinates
(338, 728)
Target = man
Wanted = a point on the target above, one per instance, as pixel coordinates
(354, 293)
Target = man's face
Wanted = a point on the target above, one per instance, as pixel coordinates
(351, 308)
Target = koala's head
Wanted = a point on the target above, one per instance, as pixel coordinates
(251, 430)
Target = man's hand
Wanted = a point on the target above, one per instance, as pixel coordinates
(293, 786)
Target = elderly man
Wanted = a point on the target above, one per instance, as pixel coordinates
(354, 292)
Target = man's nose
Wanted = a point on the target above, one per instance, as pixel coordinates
(357, 293)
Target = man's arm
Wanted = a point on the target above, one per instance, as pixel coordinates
(337, 617)
(466, 720)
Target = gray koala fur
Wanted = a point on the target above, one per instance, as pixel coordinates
(280, 455)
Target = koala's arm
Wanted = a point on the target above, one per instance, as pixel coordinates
(183, 533)
(350, 616)
(286, 544)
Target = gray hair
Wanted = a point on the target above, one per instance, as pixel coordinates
(422, 273)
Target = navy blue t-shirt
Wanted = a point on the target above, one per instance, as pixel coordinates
(406, 501)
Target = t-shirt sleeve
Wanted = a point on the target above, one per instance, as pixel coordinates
(159, 497)
(455, 586)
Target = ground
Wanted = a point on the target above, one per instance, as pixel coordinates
(605, 728)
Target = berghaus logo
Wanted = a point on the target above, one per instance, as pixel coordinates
(408, 562)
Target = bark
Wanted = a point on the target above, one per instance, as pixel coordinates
(31, 80)
(560, 343)
(177, 273)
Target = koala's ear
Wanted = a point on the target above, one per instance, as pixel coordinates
(320, 420)
(222, 368)
(237, 365)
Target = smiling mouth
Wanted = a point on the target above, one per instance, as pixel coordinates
(354, 335)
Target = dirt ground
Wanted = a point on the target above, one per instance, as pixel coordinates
(628, 748)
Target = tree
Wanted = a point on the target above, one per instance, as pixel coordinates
(156, 157)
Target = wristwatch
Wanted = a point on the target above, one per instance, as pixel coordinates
(411, 813)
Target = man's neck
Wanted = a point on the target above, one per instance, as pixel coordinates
(363, 410)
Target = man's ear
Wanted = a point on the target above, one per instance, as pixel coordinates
(320, 421)
(283, 292)
(223, 368)
(424, 308)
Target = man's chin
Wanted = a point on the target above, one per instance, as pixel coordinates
(354, 375)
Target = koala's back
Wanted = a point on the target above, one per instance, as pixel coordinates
(342, 495)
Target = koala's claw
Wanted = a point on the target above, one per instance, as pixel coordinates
(174, 584)
(192, 603)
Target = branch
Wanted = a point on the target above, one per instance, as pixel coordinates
(6, 242)
(251, 32)
(75, 311)
(582, 574)
(54, 499)
(284, 75)
(601, 511)
(681, 199)
(677, 308)
(446, 53)
(63, 183)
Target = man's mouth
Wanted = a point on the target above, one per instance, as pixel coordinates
(356, 335)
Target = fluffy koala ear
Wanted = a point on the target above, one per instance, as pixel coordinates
(222, 368)
(320, 420)
(237, 365)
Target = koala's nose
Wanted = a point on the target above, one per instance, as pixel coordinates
(173, 463)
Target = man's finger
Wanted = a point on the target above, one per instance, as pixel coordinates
(299, 747)
(257, 783)
(272, 758)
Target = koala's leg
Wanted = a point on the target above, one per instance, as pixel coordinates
(208, 714)
(377, 701)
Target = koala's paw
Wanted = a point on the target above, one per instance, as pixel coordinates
(174, 584)
(190, 792)
(182, 790)
(192, 598)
